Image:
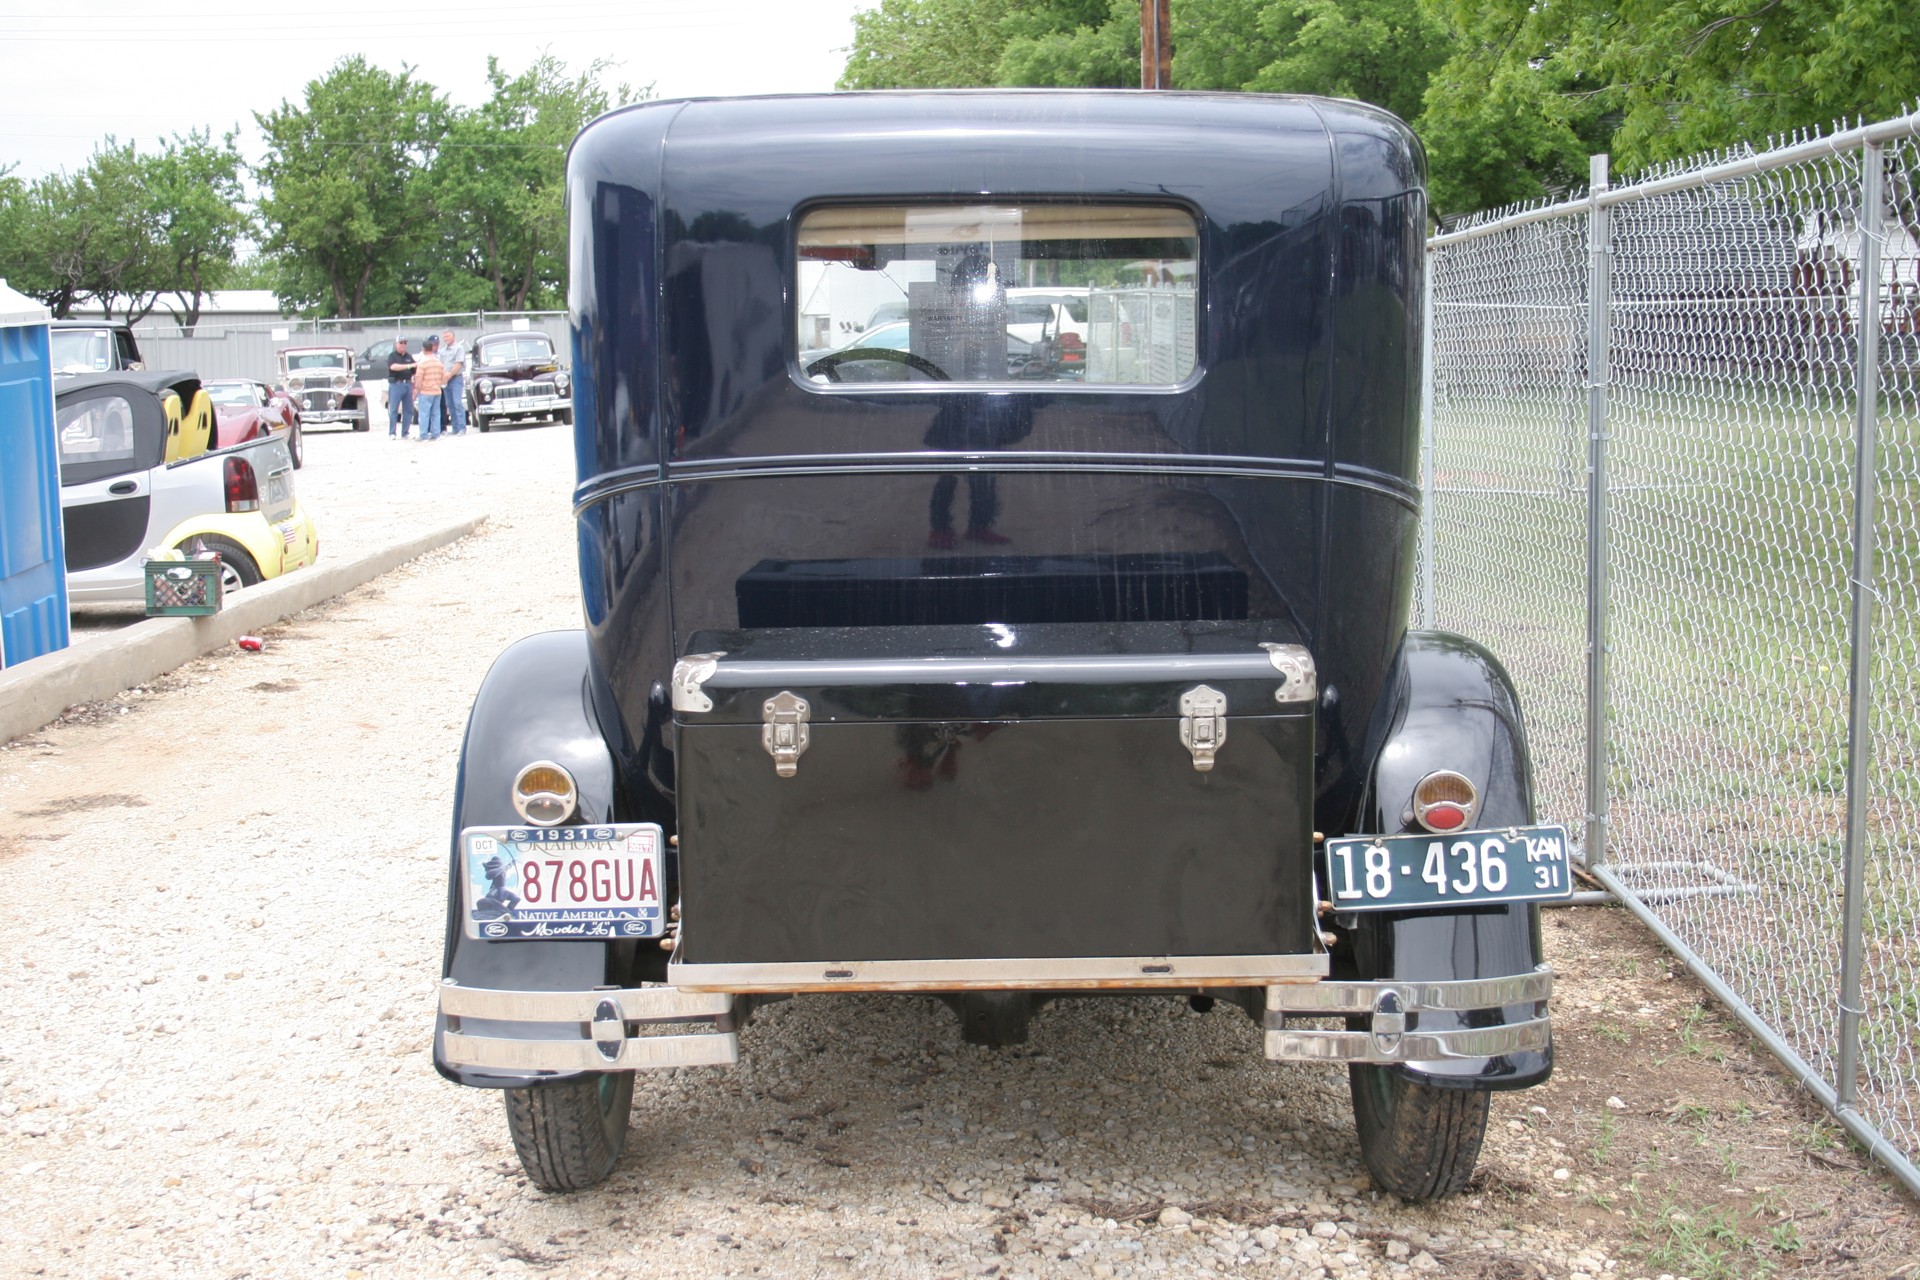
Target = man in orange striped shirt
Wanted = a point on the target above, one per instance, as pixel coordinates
(429, 380)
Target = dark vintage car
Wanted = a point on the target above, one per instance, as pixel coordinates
(245, 410)
(1139, 712)
(516, 377)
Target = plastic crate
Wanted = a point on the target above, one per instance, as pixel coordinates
(183, 588)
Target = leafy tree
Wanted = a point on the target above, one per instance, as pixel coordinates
(1378, 51)
(86, 237)
(925, 44)
(944, 44)
(499, 183)
(345, 197)
(194, 190)
(1532, 89)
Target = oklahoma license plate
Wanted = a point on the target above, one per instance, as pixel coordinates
(562, 882)
(1412, 872)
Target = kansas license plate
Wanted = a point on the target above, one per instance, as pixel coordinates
(1411, 872)
(563, 882)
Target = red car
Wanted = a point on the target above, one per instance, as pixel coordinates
(244, 409)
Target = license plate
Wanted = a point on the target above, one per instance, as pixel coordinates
(1415, 872)
(562, 882)
(279, 488)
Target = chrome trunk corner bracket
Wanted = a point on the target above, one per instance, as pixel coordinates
(1203, 724)
(784, 731)
(689, 674)
(1295, 663)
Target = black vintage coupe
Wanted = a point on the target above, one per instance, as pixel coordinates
(905, 669)
(517, 377)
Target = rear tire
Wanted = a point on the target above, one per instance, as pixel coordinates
(296, 447)
(569, 1136)
(237, 568)
(1419, 1142)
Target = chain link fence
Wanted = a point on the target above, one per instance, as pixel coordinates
(249, 350)
(1673, 478)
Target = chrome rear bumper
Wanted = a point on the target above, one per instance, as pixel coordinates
(1393, 1007)
(617, 1029)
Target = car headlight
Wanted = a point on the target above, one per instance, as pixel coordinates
(483, 388)
(544, 794)
(339, 382)
(560, 382)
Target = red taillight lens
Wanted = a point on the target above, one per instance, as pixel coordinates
(1445, 801)
(1444, 817)
(243, 489)
(1073, 349)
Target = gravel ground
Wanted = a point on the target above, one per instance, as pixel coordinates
(218, 996)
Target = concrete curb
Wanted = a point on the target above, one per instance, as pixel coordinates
(33, 694)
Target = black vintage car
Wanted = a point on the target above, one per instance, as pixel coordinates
(516, 377)
(905, 672)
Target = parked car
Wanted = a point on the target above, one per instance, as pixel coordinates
(139, 472)
(1143, 716)
(244, 409)
(327, 385)
(516, 377)
(370, 366)
(92, 346)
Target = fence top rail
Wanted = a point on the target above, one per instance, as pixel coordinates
(1739, 167)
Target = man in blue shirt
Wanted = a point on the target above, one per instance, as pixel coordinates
(453, 354)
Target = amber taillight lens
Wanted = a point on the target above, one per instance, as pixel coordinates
(544, 794)
(1445, 801)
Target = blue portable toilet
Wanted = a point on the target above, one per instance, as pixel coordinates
(33, 573)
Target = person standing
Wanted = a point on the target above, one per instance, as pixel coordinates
(400, 410)
(429, 382)
(453, 355)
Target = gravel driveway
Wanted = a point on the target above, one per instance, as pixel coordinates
(225, 897)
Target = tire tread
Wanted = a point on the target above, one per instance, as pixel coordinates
(563, 1140)
(1427, 1145)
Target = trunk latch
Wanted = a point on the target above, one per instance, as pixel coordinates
(1203, 724)
(784, 731)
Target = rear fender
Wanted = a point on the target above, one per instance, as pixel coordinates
(261, 540)
(1452, 706)
(533, 705)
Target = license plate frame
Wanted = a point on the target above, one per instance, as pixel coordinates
(504, 902)
(1535, 864)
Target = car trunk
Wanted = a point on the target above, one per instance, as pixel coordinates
(912, 806)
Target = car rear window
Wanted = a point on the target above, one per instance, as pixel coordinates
(998, 293)
(98, 430)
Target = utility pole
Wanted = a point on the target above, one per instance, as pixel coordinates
(1156, 44)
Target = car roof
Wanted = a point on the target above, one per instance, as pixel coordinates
(151, 381)
(287, 351)
(82, 322)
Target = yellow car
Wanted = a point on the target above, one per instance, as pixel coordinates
(138, 473)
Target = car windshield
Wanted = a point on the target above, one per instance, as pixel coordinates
(515, 350)
(82, 350)
(996, 293)
(318, 360)
(233, 393)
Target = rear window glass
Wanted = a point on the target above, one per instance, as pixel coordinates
(97, 430)
(1022, 293)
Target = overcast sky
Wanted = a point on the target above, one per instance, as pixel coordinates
(75, 71)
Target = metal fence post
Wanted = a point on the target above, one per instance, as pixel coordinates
(1866, 446)
(1428, 606)
(1599, 291)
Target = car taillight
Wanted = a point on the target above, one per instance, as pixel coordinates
(1445, 801)
(243, 488)
(1073, 349)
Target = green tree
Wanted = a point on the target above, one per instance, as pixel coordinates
(1532, 89)
(952, 44)
(71, 239)
(193, 186)
(499, 183)
(345, 193)
(1378, 51)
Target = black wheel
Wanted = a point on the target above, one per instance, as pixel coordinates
(481, 423)
(1419, 1142)
(364, 421)
(829, 365)
(569, 1136)
(237, 568)
(563, 416)
(296, 448)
